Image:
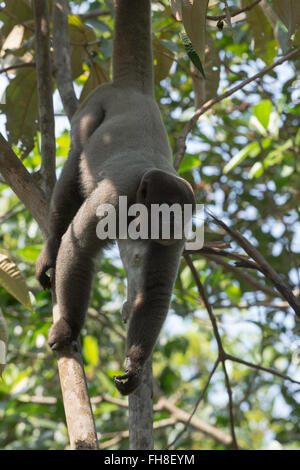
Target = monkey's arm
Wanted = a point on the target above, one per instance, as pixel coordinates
(149, 310)
(66, 200)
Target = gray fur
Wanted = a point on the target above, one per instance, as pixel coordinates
(118, 146)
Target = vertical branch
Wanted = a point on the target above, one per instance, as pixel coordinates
(141, 412)
(79, 416)
(44, 81)
(62, 61)
(141, 400)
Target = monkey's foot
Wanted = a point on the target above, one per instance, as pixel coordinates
(127, 383)
(61, 335)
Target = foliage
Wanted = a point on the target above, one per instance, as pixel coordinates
(243, 161)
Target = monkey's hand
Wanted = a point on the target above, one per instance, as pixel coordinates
(129, 381)
(46, 260)
(61, 335)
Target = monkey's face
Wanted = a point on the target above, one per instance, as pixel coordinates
(170, 204)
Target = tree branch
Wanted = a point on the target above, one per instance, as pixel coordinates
(62, 61)
(263, 266)
(44, 86)
(234, 13)
(181, 146)
(21, 182)
(18, 66)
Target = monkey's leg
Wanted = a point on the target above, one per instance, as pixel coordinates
(75, 265)
(149, 310)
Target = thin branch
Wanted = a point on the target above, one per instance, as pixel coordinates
(234, 13)
(258, 285)
(181, 146)
(162, 423)
(103, 320)
(189, 419)
(188, 422)
(94, 14)
(18, 66)
(231, 416)
(62, 59)
(262, 368)
(12, 212)
(263, 265)
(45, 101)
(222, 355)
(16, 19)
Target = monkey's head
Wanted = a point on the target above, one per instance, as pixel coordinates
(170, 204)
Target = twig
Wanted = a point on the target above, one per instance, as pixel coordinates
(181, 146)
(12, 212)
(243, 275)
(162, 423)
(103, 320)
(18, 66)
(263, 266)
(234, 13)
(188, 422)
(45, 101)
(94, 14)
(16, 19)
(258, 367)
(62, 59)
(231, 416)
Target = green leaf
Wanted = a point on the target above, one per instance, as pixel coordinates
(207, 89)
(233, 293)
(90, 350)
(194, 22)
(30, 252)
(256, 170)
(262, 112)
(22, 119)
(275, 156)
(240, 156)
(188, 163)
(12, 281)
(192, 53)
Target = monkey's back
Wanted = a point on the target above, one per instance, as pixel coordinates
(130, 137)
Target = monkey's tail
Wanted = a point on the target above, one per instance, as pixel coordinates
(132, 56)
